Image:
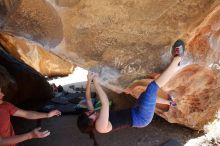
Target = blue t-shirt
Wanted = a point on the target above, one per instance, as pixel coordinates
(143, 112)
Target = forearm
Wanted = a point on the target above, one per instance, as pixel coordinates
(15, 139)
(32, 115)
(102, 123)
(102, 95)
(88, 95)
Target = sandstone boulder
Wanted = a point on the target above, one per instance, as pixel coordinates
(43, 61)
(35, 20)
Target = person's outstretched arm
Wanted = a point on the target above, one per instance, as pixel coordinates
(102, 123)
(35, 115)
(23, 137)
(88, 91)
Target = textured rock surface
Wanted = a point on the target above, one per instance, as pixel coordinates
(128, 40)
(36, 20)
(196, 86)
(37, 57)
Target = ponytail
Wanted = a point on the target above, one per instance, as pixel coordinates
(86, 126)
(92, 136)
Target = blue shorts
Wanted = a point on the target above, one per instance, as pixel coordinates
(143, 112)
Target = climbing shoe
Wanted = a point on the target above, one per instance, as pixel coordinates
(178, 48)
(172, 102)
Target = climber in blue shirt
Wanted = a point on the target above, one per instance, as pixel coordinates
(138, 116)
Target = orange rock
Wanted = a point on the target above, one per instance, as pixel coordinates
(45, 62)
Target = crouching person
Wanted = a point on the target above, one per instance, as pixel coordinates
(7, 135)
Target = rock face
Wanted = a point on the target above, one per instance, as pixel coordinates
(45, 62)
(197, 85)
(128, 40)
(35, 20)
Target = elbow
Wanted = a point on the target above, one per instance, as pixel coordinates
(105, 129)
(101, 130)
(26, 116)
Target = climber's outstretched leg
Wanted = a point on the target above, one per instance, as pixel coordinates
(143, 113)
(177, 52)
(169, 72)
